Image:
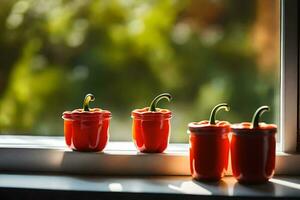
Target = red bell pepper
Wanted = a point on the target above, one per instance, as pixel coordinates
(209, 147)
(253, 149)
(87, 129)
(151, 126)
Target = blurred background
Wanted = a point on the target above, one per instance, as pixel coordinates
(126, 52)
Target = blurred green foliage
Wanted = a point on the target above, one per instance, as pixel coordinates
(126, 52)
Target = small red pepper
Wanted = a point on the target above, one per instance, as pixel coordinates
(253, 149)
(86, 129)
(209, 147)
(151, 126)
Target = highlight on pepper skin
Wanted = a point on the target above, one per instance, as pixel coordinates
(87, 129)
(151, 126)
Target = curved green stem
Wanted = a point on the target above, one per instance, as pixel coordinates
(212, 118)
(257, 114)
(88, 98)
(154, 102)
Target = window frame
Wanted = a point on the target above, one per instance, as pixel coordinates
(46, 159)
(289, 54)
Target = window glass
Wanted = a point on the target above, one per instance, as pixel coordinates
(125, 52)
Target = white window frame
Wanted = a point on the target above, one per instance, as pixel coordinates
(289, 41)
(52, 157)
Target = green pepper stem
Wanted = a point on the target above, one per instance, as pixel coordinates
(212, 118)
(154, 102)
(88, 98)
(257, 114)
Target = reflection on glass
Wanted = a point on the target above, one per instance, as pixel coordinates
(203, 52)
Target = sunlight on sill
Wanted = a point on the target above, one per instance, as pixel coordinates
(54, 142)
(115, 187)
(286, 183)
(189, 187)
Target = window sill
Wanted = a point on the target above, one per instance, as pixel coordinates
(49, 154)
(20, 186)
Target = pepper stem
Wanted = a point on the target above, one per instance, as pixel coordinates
(154, 102)
(88, 98)
(212, 118)
(257, 114)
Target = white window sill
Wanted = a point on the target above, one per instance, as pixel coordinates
(49, 154)
(29, 186)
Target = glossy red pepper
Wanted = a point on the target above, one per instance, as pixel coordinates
(151, 127)
(253, 148)
(87, 129)
(209, 147)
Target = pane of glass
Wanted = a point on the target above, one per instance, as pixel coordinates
(126, 52)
